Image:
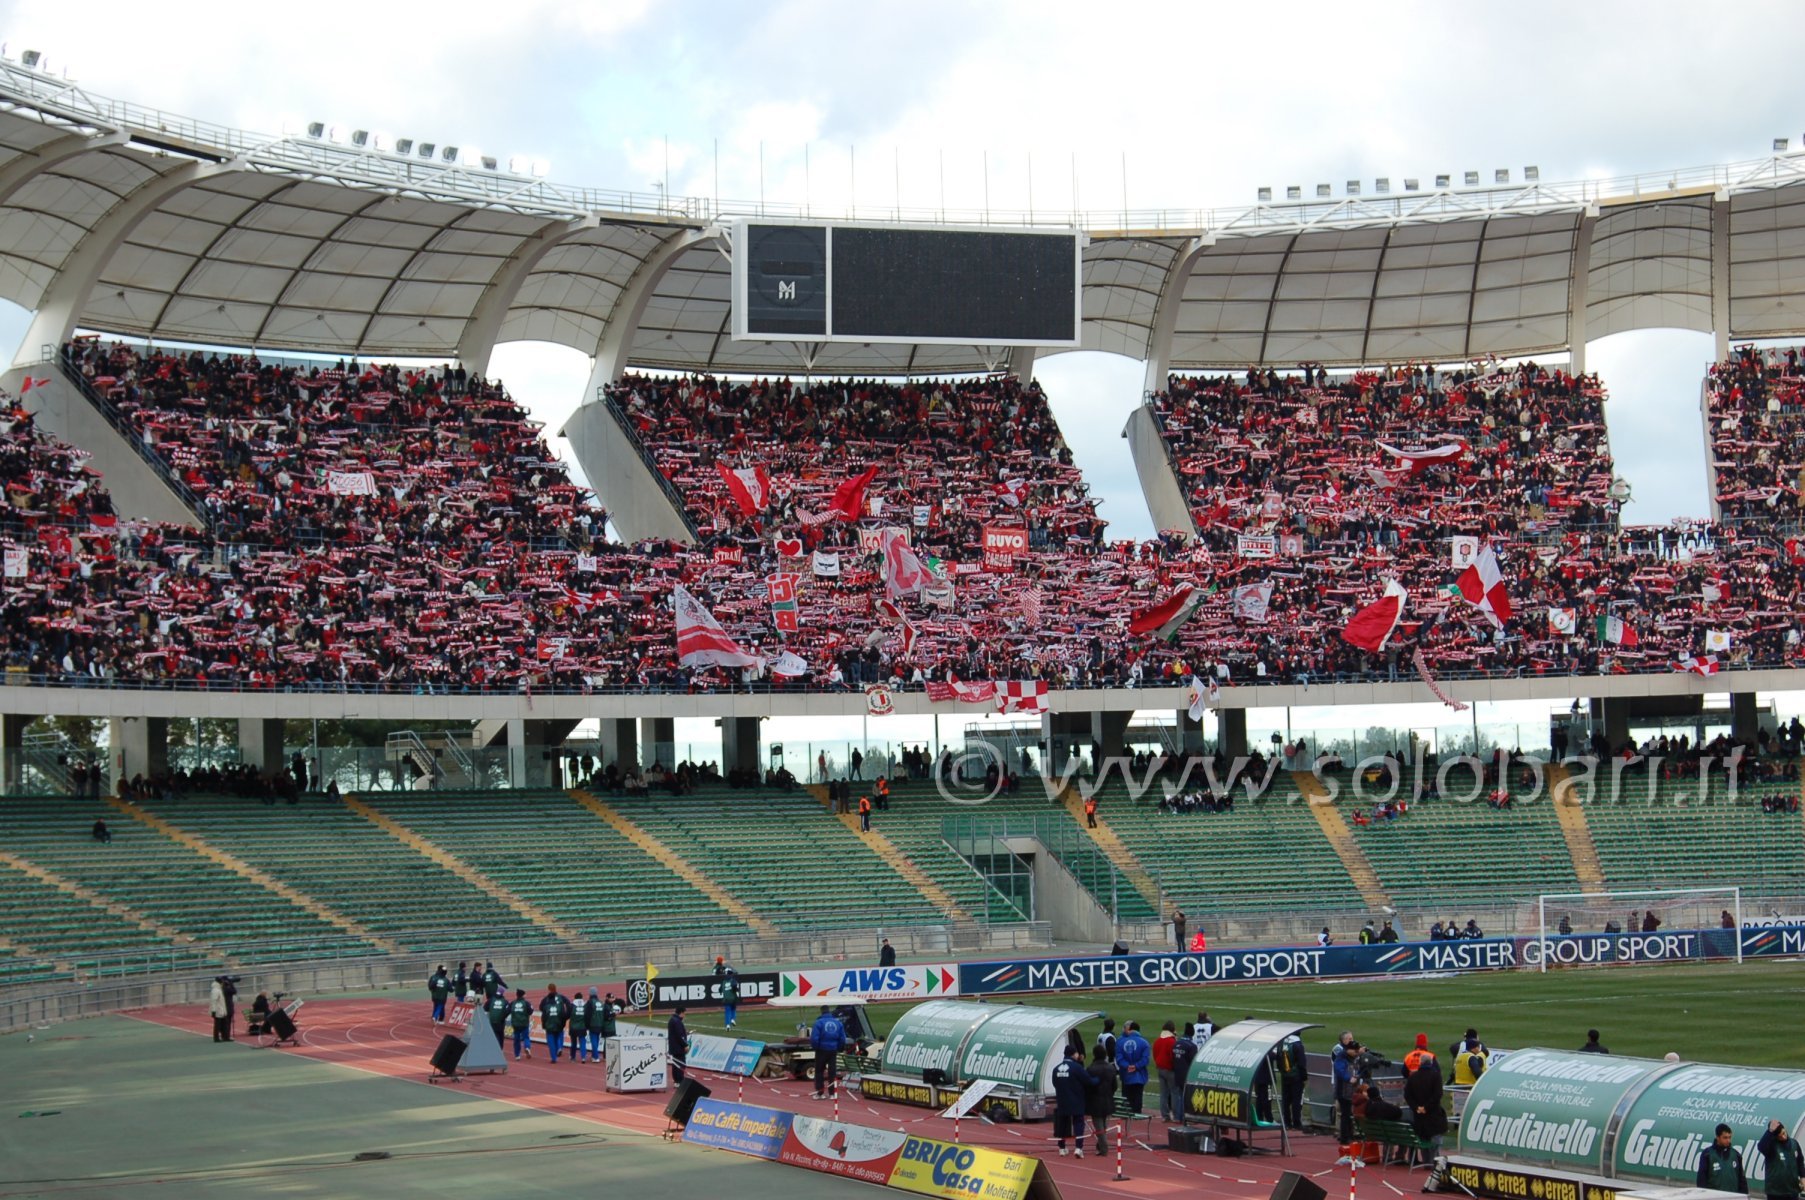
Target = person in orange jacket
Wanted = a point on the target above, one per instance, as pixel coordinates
(865, 813)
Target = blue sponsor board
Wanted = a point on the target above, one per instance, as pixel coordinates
(1410, 958)
(742, 1128)
(728, 1056)
(745, 1056)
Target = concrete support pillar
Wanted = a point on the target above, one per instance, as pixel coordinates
(1111, 731)
(12, 750)
(532, 755)
(739, 744)
(1190, 733)
(260, 744)
(1234, 731)
(619, 742)
(658, 741)
(1611, 716)
(1067, 733)
(140, 747)
(1745, 718)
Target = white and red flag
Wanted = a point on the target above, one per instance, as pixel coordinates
(1013, 492)
(1482, 585)
(750, 487)
(1372, 626)
(1024, 696)
(701, 642)
(1418, 459)
(904, 573)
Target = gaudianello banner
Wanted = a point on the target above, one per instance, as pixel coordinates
(1622, 1118)
(1411, 958)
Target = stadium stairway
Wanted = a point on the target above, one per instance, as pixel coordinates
(1112, 848)
(126, 930)
(1335, 829)
(464, 870)
(1572, 816)
(261, 878)
(899, 862)
(676, 864)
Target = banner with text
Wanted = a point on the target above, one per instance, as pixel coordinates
(929, 981)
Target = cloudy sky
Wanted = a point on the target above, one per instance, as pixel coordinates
(1056, 105)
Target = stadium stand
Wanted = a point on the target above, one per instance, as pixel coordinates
(1755, 424)
(45, 923)
(571, 864)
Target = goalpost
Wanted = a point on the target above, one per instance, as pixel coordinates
(1617, 911)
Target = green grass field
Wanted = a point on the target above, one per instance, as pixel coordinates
(1709, 1013)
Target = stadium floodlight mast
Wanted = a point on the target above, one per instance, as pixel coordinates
(1681, 908)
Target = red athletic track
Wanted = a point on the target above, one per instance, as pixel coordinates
(394, 1038)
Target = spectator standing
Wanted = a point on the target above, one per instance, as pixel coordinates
(219, 1007)
(1072, 1085)
(1720, 1164)
(864, 813)
(1133, 1058)
(676, 1043)
(1341, 1059)
(886, 955)
(827, 1039)
(1780, 1151)
(1592, 1046)
(1162, 1063)
(1178, 929)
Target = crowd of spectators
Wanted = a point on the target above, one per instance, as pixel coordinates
(1755, 413)
(373, 527)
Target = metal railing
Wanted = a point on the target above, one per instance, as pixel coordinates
(975, 834)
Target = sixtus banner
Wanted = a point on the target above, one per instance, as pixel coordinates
(1410, 958)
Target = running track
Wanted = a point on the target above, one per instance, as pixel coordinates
(394, 1038)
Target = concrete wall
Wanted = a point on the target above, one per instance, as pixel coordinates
(138, 492)
(1165, 499)
(629, 489)
(1059, 899)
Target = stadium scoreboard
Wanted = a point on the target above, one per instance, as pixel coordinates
(831, 282)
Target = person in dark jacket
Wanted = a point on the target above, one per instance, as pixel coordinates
(554, 1015)
(1720, 1164)
(460, 983)
(676, 1043)
(497, 1008)
(827, 1039)
(520, 1022)
(1294, 1077)
(1102, 1096)
(1592, 1046)
(438, 987)
(1072, 1086)
(1133, 1058)
(1780, 1151)
(601, 1024)
(493, 983)
(730, 997)
(1423, 1104)
(579, 1024)
(886, 957)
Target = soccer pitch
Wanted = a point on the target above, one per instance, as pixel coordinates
(1717, 1012)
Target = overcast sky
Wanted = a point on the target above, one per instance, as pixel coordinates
(930, 102)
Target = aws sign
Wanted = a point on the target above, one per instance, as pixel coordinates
(918, 982)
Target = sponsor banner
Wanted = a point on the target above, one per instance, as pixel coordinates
(756, 987)
(742, 1128)
(1549, 1107)
(896, 1091)
(920, 982)
(1019, 1046)
(458, 1014)
(723, 1055)
(1210, 1102)
(836, 1148)
(1676, 1116)
(1780, 921)
(1480, 954)
(1256, 545)
(1498, 1182)
(1002, 546)
(928, 1037)
(636, 1064)
(930, 1167)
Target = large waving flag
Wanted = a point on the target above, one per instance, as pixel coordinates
(1166, 617)
(750, 487)
(1372, 626)
(701, 642)
(1418, 459)
(849, 498)
(1482, 585)
(904, 573)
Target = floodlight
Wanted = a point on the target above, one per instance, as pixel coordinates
(517, 164)
(30, 58)
(1501, 175)
(1780, 144)
(449, 154)
(404, 146)
(1265, 195)
(1472, 178)
(360, 138)
(426, 149)
(1532, 174)
(488, 162)
(1294, 192)
(1382, 186)
(316, 129)
(1353, 187)
(1322, 191)
(1413, 185)
(1444, 181)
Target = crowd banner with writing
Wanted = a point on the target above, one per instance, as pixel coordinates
(1408, 958)
(1220, 1083)
(923, 981)
(1002, 546)
(1256, 545)
(889, 1158)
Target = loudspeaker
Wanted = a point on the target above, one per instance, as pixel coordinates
(450, 1053)
(282, 1025)
(1292, 1186)
(683, 1101)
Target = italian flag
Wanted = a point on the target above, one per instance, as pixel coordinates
(1614, 631)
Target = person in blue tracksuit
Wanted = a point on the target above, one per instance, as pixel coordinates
(554, 1015)
(520, 1021)
(579, 1025)
(1133, 1056)
(1071, 1094)
(827, 1039)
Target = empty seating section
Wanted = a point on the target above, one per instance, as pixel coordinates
(50, 923)
(326, 851)
(1450, 850)
(167, 882)
(789, 859)
(1267, 855)
(1676, 841)
(554, 853)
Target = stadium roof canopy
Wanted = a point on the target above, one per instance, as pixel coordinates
(127, 220)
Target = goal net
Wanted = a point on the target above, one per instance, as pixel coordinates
(1660, 910)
